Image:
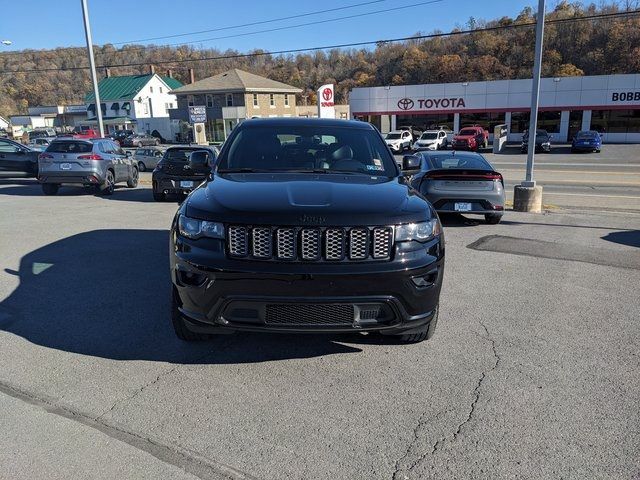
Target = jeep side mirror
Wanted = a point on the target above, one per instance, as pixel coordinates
(199, 158)
(410, 164)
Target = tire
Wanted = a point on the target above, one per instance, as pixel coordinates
(139, 144)
(157, 142)
(492, 219)
(133, 181)
(159, 196)
(109, 185)
(179, 325)
(142, 167)
(50, 188)
(598, 150)
(421, 336)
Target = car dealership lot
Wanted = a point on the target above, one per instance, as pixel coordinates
(532, 373)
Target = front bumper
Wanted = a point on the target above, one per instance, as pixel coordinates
(586, 148)
(217, 294)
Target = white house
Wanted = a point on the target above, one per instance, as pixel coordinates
(4, 123)
(137, 102)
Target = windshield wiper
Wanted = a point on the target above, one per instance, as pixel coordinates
(242, 170)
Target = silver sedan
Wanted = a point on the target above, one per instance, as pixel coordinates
(147, 157)
(460, 182)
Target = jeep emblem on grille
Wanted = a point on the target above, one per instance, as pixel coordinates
(313, 219)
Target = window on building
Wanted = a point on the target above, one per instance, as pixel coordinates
(487, 120)
(255, 100)
(272, 100)
(151, 89)
(160, 89)
(286, 99)
(209, 100)
(615, 121)
(191, 101)
(425, 122)
(229, 100)
(549, 121)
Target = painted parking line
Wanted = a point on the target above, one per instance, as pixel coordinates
(523, 164)
(589, 195)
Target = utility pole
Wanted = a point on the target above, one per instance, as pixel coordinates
(527, 197)
(92, 65)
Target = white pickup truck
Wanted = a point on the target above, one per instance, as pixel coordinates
(399, 140)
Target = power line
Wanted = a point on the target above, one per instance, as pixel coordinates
(262, 22)
(277, 29)
(230, 27)
(343, 45)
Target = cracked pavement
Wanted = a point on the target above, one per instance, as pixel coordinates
(533, 371)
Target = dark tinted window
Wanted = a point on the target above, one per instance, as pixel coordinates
(466, 131)
(70, 147)
(472, 162)
(178, 154)
(281, 148)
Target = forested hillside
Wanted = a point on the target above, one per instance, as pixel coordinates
(588, 47)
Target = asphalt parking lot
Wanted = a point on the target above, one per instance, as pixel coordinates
(533, 371)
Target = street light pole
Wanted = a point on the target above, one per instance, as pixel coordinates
(92, 65)
(535, 94)
(527, 197)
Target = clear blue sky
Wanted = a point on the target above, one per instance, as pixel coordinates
(50, 23)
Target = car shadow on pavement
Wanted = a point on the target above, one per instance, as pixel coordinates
(105, 293)
(457, 220)
(629, 237)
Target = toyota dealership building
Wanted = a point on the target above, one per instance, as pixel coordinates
(609, 104)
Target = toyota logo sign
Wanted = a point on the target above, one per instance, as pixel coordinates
(405, 104)
(327, 94)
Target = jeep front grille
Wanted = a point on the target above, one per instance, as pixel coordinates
(309, 244)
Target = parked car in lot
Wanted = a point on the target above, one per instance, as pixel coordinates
(586, 141)
(41, 133)
(471, 138)
(306, 226)
(543, 141)
(462, 182)
(40, 143)
(120, 135)
(147, 158)
(177, 174)
(18, 158)
(139, 140)
(431, 140)
(84, 132)
(399, 140)
(98, 163)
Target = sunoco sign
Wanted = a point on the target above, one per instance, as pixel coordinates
(430, 103)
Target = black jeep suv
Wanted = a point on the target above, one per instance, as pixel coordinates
(306, 225)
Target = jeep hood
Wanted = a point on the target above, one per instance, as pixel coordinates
(307, 199)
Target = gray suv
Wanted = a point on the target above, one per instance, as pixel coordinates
(98, 163)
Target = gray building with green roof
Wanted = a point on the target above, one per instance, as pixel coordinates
(135, 102)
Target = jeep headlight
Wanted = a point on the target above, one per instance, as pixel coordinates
(194, 228)
(420, 232)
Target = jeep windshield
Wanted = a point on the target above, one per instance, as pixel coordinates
(307, 149)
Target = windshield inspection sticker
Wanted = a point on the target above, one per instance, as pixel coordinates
(377, 165)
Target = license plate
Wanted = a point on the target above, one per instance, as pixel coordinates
(186, 184)
(65, 166)
(462, 207)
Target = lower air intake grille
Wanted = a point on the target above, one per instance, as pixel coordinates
(302, 314)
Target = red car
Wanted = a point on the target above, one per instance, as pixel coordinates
(84, 133)
(471, 138)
